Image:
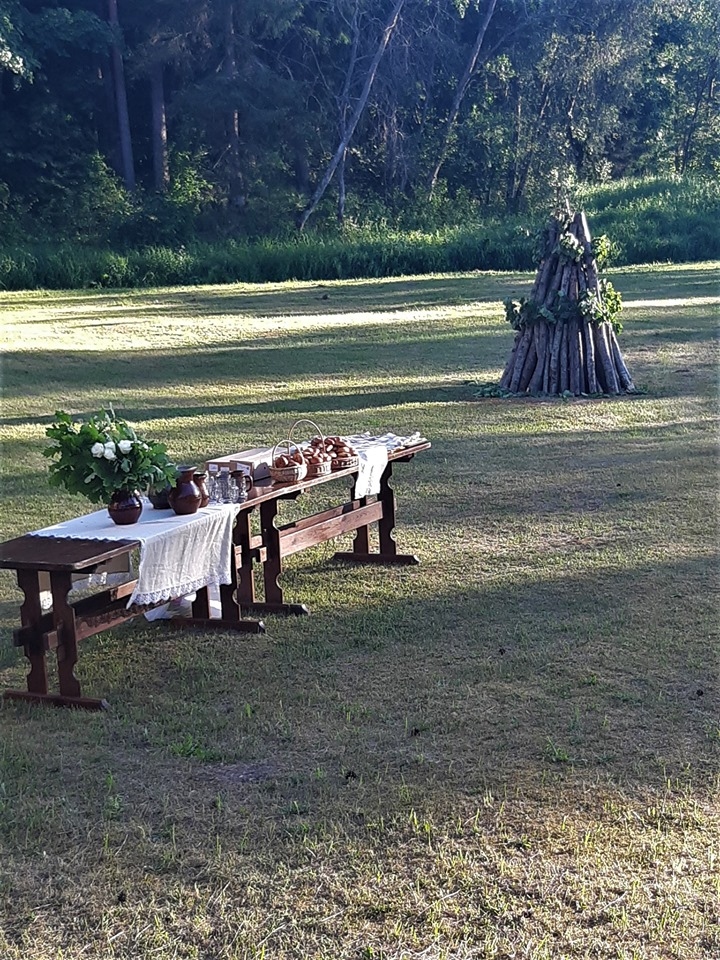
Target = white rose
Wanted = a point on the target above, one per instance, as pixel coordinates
(97, 449)
(125, 446)
(109, 452)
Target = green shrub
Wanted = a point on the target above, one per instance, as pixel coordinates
(646, 221)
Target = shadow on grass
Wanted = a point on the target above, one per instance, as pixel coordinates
(615, 678)
(291, 299)
(313, 357)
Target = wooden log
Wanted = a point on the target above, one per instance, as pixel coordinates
(565, 278)
(564, 360)
(554, 285)
(606, 367)
(581, 355)
(523, 347)
(528, 368)
(548, 287)
(551, 236)
(581, 281)
(509, 366)
(590, 264)
(541, 334)
(623, 373)
(546, 362)
(599, 369)
(592, 384)
(554, 378)
(574, 354)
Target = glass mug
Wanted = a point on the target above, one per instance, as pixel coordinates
(243, 483)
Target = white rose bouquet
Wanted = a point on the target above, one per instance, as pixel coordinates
(103, 454)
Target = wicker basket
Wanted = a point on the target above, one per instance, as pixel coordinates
(344, 463)
(292, 473)
(313, 469)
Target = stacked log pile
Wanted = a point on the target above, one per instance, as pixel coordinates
(566, 339)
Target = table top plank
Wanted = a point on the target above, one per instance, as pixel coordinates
(60, 553)
(74, 554)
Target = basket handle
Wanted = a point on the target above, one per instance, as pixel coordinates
(312, 424)
(288, 443)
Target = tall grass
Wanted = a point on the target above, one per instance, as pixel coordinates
(657, 220)
(649, 221)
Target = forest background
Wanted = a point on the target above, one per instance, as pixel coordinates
(188, 141)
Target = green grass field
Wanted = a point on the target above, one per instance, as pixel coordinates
(510, 751)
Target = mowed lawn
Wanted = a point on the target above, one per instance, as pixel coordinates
(509, 751)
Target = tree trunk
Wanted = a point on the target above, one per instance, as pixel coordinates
(535, 138)
(161, 169)
(460, 93)
(123, 118)
(511, 179)
(344, 107)
(341, 190)
(236, 182)
(357, 113)
(106, 121)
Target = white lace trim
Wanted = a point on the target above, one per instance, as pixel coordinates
(181, 590)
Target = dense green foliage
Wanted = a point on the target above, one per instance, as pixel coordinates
(647, 221)
(130, 126)
(103, 454)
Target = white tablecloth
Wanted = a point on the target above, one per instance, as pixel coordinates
(178, 555)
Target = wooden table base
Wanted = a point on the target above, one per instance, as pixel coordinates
(56, 700)
(402, 559)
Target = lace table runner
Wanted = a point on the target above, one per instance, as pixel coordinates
(178, 555)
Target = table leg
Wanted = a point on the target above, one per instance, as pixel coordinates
(201, 604)
(64, 623)
(243, 538)
(63, 635)
(361, 542)
(386, 524)
(231, 594)
(30, 616)
(272, 568)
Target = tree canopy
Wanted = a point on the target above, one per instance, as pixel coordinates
(228, 116)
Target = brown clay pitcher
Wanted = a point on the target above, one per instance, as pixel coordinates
(125, 506)
(200, 479)
(185, 497)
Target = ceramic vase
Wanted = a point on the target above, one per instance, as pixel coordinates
(158, 497)
(125, 506)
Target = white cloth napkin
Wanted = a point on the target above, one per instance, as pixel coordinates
(373, 457)
(178, 555)
(372, 460)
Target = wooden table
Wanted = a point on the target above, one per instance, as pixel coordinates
(62, 628)
(274, 543)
